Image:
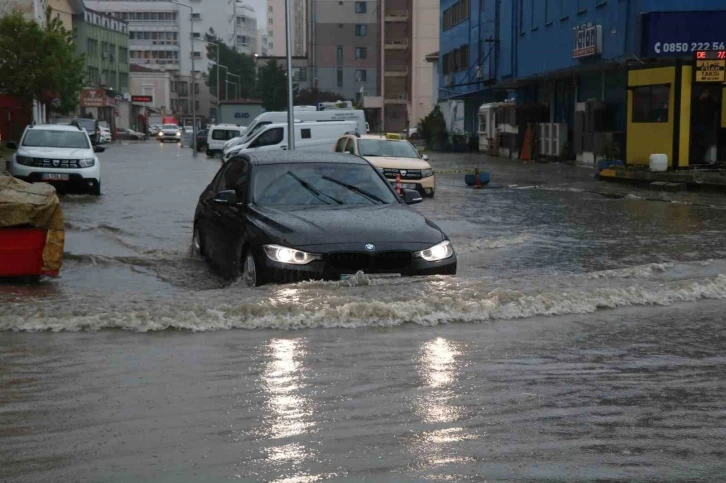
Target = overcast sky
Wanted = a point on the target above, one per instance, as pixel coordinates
(259, 6)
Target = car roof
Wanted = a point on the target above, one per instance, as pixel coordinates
(282, 157)
(381, 137)
(311, 123)
(54, 127)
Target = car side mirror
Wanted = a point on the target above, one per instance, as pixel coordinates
(425, 157)
(411, 197)
(226, 197)
(11, 145)
(98, 149)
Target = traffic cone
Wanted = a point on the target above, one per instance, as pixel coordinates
(398, 184)
(477, 179)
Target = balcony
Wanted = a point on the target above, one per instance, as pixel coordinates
(156, 44)
(395, 71)
(396, 44)
(396, 16)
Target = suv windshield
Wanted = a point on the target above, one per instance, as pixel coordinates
(254, 128)
(56, 139)
(320, 184)
(382, 147)
(87, 124)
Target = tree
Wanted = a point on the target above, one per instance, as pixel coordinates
(311, 97)
(39, 64)
(239, 64)
(272, 84)
(432, 128)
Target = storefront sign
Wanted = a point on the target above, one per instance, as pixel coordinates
(710, 66)
(681, 34)
(145, 99)
(588, 41)
(93, 98)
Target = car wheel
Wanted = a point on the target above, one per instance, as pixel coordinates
(96, 189)
(250, 273)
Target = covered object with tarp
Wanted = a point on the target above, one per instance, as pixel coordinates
(31, 229)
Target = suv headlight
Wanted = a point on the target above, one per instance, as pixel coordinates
(178, 134)
(441, 251)
(86, 163)
(276, 253)
(427, 173)
(24, 160)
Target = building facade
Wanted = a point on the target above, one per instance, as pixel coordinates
(262, 49)
(65, 10)
(344, 54)
(245, 32)
(276, 36)
(104, 41)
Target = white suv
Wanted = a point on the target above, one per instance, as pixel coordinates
(57, 154)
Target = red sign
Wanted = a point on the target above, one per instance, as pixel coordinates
(142, 99)
(711, 55)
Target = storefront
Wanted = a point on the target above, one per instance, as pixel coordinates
(677, 107)
(98, 104)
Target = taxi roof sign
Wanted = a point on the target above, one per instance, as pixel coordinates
(393, 136)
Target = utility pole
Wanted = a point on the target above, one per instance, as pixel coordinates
(290, 114)
(193, 84)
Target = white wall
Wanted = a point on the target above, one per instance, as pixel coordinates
(154, 84)
(425, 41)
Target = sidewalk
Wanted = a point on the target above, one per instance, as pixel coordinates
(713, 179)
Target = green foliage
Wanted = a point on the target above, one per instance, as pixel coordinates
(39, 63)
(272, 85)
(239, 64)
(432, 128)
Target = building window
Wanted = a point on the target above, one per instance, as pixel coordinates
(547, 12)
(650, 103)
(196, 88)
(361, 53)
(339, 54)
(446, 64)
(270, 33)
(196, 35)
(455, 14)
(581, 6)
(464, 9)
(447, 19)
(299, 74)
(464, 57)
(269, 9)
(340, 77)
(483, 4)
(361, 75)
(361, 30)
(521, 16)
(270, 45)
(196, 105)
(196, 16)
(269, 21)
(563, 9)
(361, 7)
(305, 133)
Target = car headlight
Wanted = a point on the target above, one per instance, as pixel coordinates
(160, 134)
(427, 173)
(24, 160)
(86, 163)
(276, 253)
(178, 134)
(441, 251)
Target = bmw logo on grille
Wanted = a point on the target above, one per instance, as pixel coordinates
(370, 247)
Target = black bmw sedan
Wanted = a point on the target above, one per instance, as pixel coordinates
(293, 216)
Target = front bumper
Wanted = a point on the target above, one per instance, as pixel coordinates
(169, 137)
(425, 186)
(326, 269)
(82, 177)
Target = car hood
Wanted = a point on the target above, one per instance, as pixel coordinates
(382, 224)
(56, 153)
(385, 162)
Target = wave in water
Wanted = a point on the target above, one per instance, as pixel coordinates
(440, 301)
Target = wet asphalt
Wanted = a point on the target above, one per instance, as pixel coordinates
(582, 340)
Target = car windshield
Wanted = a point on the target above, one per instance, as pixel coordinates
(254, 128)
(170, 126)
(88, 124)
(383, 147)
(56, 139)
(320, 184)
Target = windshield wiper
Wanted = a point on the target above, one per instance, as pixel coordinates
(351, 187)
(317, 193)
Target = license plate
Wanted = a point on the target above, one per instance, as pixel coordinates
(54, 177)
(406, 186)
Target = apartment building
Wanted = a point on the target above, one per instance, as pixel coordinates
(262, 49)
(104, 41)
(344, 54)
(276, 39)
(245, 32)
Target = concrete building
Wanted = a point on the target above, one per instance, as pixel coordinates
(65, 10)
(344, 53)
(245, 32)
(31, 9)
(262, 49)
(104, 41)
(276, 27)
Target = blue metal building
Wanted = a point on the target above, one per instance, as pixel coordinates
(554, 53)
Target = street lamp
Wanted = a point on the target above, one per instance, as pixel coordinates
(218, 80)
(236, 86)
(226, 69)
(288, 41)
(194, 82)
(239, 86)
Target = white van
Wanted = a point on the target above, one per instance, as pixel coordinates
(309, 136)
(305, 115)
(218, 136)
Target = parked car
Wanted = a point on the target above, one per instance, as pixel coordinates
(57, 154)
(91, 127)
(154, 130)
(201, 140)
(169, 132)
(219, 134)
(130, 134)
(105, 135)
(393, 156)
(288, 216)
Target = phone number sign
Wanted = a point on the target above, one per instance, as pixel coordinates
(682, 34)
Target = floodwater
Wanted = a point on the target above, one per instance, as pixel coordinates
(584, 339)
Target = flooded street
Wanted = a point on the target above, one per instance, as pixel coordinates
(582, 340)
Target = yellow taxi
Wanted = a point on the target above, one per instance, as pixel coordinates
(393, 155)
